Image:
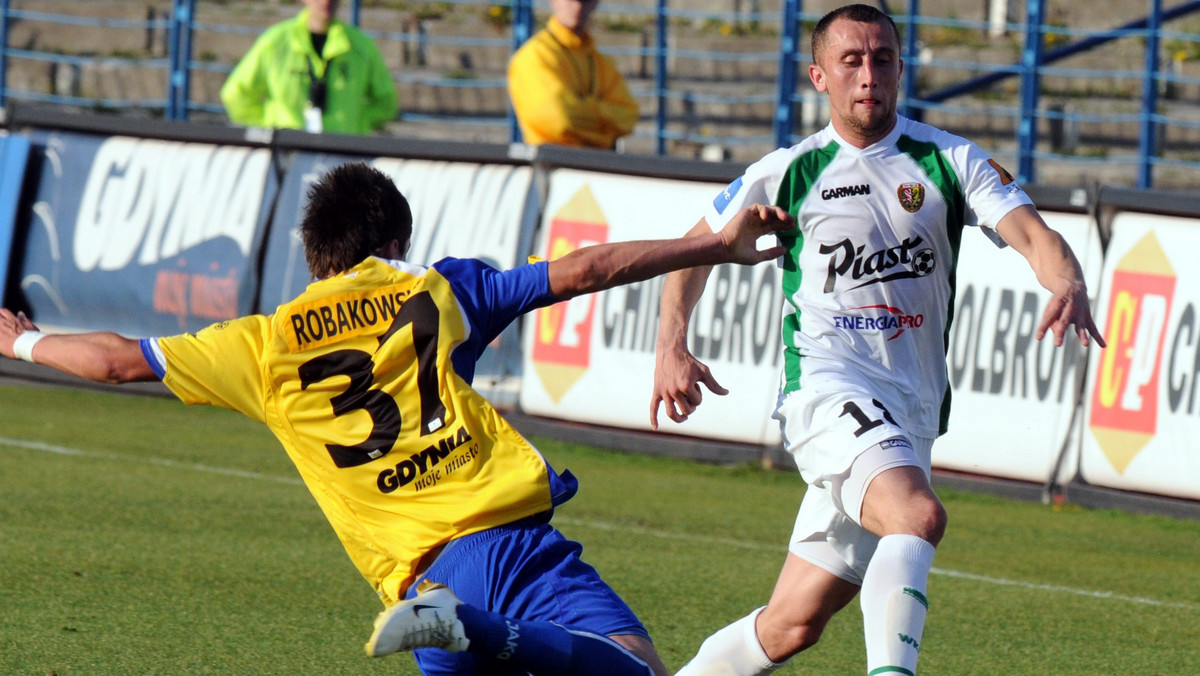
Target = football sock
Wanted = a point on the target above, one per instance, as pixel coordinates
(545, 648)
(894, 604)
(732, 651)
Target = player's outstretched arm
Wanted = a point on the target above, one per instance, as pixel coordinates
(677, 373)
(101, 357)
(603, 266)
(1057, 270)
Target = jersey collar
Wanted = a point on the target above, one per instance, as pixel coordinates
(879, 147)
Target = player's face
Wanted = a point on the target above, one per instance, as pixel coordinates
(860, 72)
(573, 14)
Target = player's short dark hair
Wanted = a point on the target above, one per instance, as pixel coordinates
(858, 13)
(353, 212)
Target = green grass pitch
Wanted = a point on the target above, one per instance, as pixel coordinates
(138, 536)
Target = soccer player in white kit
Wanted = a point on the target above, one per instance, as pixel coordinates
(881, 203)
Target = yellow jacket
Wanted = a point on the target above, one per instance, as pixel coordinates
(565, 92)
(270, 85)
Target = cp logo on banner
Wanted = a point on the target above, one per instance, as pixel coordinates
(1125, 398)
(563, 333)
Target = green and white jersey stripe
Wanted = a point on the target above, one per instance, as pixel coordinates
(870, 270)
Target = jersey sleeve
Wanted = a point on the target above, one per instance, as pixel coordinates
(990, 191)
(219, 366)
(490, 299)
(757, 185)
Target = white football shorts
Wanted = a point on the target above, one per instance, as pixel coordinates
(842, 437)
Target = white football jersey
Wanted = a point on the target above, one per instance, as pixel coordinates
(869, 275)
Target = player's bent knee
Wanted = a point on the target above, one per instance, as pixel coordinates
(798, 640)
(781, 638)
(943, 521)
(919, 515)
(934, 523)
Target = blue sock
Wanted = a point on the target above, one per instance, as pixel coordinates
(545, 648)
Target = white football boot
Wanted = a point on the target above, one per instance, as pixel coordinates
(428, 620)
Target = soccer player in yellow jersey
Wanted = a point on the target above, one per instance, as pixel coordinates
(365, 379)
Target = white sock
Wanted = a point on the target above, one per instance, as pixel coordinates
(732, 651)
(894, 604)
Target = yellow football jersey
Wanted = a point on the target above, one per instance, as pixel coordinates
(356, 379)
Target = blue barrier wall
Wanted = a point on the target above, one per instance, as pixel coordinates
(142, 235)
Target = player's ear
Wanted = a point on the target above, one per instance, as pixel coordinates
(817, 76)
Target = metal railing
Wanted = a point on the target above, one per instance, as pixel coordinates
(1036, 91)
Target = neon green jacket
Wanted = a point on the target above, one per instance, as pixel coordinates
(565, 92)
(269, 87)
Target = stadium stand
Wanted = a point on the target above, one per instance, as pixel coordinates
(1108, 96)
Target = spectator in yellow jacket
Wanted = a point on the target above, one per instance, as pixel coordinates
(312, 72)
(564, 91)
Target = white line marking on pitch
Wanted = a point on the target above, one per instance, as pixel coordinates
(160, 462)
(729, 542)
(595, 525)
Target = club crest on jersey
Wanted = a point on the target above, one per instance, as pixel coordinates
(912, 196)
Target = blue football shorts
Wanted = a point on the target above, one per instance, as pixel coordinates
(527, 570)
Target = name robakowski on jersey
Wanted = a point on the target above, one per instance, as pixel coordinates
(868, 277)
(365, 380)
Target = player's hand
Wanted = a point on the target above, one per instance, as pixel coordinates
(677, 379)
(11, 326)
(1067, 309)
(740, 235)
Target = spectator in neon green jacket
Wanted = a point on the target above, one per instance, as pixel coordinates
(312, 72)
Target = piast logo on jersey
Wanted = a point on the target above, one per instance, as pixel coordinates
(847, 260)
(891, 319)
(912, 196)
